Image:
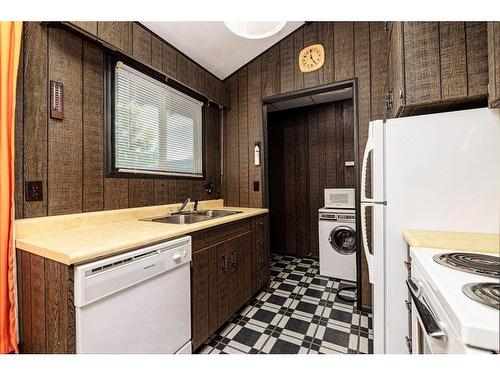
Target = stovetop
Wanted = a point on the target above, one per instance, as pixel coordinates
(475, 263)
(476, 323)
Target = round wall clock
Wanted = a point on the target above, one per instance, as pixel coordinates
(311, 58)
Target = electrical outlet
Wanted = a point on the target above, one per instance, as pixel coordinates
(256, 186)
(33, 191)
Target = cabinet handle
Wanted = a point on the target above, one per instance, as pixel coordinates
(260, 280)
(235, 258)
(224, 263)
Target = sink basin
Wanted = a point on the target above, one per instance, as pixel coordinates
(181, 219)
(188, 217)
(217, 213)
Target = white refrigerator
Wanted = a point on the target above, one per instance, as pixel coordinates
(432, 172)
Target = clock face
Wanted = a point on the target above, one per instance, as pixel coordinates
(311, 58)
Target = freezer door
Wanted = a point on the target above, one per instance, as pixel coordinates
(372, 190)
(374, 151)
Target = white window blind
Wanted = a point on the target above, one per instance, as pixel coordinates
(157, 129)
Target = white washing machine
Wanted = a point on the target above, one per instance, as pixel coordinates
(337, 243)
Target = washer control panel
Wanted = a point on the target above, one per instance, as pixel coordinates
(347, 217)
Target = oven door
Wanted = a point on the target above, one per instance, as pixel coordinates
(432, 331)
(427, 334)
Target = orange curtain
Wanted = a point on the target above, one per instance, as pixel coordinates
(10, 46)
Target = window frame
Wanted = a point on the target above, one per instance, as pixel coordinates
(111, 60)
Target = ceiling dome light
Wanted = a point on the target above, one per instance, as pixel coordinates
(255, 29)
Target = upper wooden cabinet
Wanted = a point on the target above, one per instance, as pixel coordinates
(494, 64)
(432, 65)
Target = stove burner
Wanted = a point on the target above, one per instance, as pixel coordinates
(479, 264)
(486, 293)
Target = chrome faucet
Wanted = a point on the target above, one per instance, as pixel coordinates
(184, 204)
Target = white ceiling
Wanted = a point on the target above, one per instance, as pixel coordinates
(213, 46)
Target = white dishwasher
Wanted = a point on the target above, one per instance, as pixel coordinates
(136, 302)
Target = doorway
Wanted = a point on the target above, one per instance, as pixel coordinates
(310, 149)
(311, 143)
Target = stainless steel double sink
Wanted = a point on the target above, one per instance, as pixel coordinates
(190, 217)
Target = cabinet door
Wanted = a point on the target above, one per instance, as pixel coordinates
(213, 312)
(494, 64)
(421, 57)
(232, 275)
(203, 298)
(244, 268)
(222, 284)
(395, 78)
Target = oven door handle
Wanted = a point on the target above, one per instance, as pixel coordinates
(429, 321)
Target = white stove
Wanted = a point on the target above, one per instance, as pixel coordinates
(444, 318)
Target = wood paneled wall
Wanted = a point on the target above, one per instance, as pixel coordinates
(352, 49)
(68, 155)
(308, 148)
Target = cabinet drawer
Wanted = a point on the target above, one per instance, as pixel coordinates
(259, 279)
(260, 255)
(218, 234)
(259, 229)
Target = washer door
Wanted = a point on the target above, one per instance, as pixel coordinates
(343, 240)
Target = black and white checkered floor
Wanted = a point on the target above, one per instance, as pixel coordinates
(299, 313)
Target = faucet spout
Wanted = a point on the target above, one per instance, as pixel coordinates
(184, 204)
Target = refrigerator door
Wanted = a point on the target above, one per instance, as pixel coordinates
(380, 290)
(441, 173)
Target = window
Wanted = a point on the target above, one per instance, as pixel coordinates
(157, 129)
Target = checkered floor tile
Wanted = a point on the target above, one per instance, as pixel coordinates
(300, 313)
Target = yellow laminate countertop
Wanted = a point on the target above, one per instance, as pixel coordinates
(470, 242)
(78, 238)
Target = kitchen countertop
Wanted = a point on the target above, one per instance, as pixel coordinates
(79, 238)
(462, 241)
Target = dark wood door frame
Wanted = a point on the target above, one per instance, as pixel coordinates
(351, 83)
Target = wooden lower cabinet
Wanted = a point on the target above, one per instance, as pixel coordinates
(227, 273)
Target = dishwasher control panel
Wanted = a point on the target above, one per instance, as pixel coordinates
(102, 278)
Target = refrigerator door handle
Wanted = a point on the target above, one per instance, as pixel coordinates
(364, 165)
(368, 253)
